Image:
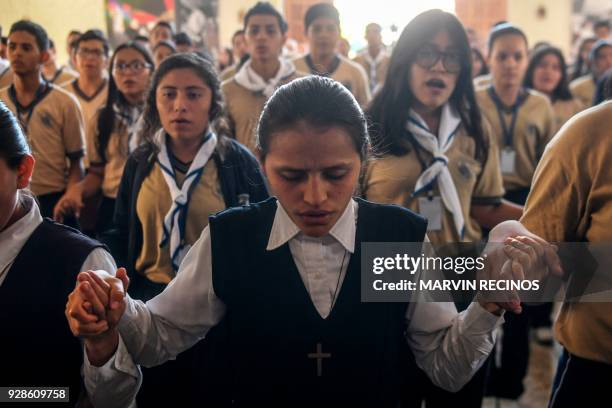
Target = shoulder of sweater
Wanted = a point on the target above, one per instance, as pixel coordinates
(538, 97)
(236, 151)
(352, 64)
(63, 95)
(581, 81)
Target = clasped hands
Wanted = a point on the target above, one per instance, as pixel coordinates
(94, 309)
(515, 254)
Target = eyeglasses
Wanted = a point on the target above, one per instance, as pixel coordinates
(86, 52)
(134, 66)
(428, 56)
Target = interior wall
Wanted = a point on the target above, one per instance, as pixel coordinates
(58, 17)
(544, 20)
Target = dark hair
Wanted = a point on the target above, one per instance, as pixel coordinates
(165, 44)
(375, 25)
(502, 30)
(4, 40)
(230, 58)
(540, 44)
(182, 39)
(13, 143)
(42, 39)
(97, 35)
(601, 23)
(106, 120)
(319, 10)
(205, 70)
(390, 107)
(484, 69)
(51, 44)
(74, 32)
(73, 45)
(143, 38)
(603, 89)
(265, 8)
(598, 46)
(236, 34)
(580, 62)
(163, 23)
(607, 80)
(314, 101)
(561, 91)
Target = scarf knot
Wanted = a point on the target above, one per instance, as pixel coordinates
(175, 219)
(438, 171)
(252, 81)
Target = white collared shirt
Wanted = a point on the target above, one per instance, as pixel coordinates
(449, 346)
(319, 260)
(13, 238)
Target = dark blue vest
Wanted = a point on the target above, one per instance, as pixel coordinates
(272, 324)
(38, 347)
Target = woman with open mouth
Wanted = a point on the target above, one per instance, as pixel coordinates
(437, 154)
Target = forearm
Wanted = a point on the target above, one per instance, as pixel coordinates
(75, 172)
(489, 216)
(99, 350)
(114, 384)
(151, 339)
(92, 183)
(451, 355)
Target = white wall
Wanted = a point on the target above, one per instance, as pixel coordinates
(555, 27)
(58, 17)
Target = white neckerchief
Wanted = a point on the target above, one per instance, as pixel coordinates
(373, 63)
(438, 170)
(15, 237)
(249, 79)
(174, 221)
(131, 117)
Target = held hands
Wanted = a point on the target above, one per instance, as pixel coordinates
(94, 310)
(523, 255)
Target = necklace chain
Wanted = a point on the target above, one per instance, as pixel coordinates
(338, 283)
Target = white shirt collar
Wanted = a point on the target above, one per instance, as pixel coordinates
(284, 229)
(14, 237)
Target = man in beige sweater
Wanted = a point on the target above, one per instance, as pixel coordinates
(246, 92)
(322, 25)
(375, 57)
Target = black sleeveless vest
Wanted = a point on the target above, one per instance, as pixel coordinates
(38, 347)
(273, 326)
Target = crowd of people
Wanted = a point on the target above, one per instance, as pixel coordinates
(234, 195)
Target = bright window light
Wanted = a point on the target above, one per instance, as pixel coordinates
(392, 15)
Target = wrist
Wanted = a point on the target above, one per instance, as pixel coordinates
(75, 187)
(491, 307)
(102, 347)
